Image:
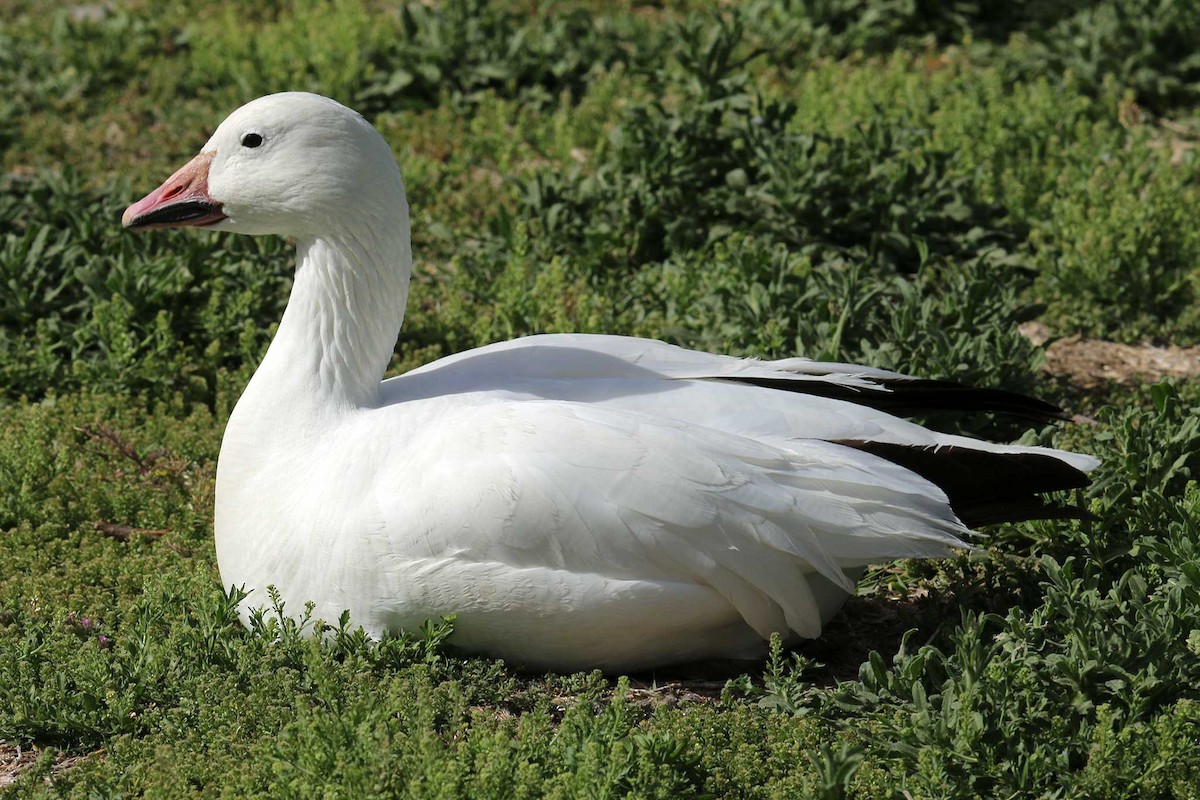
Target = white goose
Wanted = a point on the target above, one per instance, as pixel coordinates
(577, 501)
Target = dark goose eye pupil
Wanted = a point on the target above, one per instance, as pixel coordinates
(252, 140)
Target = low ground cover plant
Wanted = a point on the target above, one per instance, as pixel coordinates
(889, 182)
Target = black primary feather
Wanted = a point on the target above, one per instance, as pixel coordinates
(912, 396)
(986, 488)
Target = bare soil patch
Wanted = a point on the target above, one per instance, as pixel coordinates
(15, 760)
(1088, 363)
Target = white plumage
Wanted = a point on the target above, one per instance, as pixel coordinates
(577, 501)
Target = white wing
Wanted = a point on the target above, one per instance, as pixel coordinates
(581, 490)
(664, 380)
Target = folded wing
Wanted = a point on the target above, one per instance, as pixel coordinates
(579, 490)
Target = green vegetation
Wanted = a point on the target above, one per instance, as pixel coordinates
(896, 182)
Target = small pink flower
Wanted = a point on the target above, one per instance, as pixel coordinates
(81, 626)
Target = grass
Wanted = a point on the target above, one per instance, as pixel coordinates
(894, 182)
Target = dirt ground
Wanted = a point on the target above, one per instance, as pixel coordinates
(1088, 363)
(15, 760)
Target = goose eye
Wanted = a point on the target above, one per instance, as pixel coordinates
(252, 140)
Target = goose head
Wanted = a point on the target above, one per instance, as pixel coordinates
(294, 163)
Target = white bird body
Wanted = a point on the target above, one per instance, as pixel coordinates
(576, 501)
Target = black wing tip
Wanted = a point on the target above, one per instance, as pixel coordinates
(935, 395)
(986, 487)
(913, 396)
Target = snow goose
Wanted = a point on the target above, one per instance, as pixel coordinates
(577, 501)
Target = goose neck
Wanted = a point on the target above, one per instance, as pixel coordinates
(342, 319)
